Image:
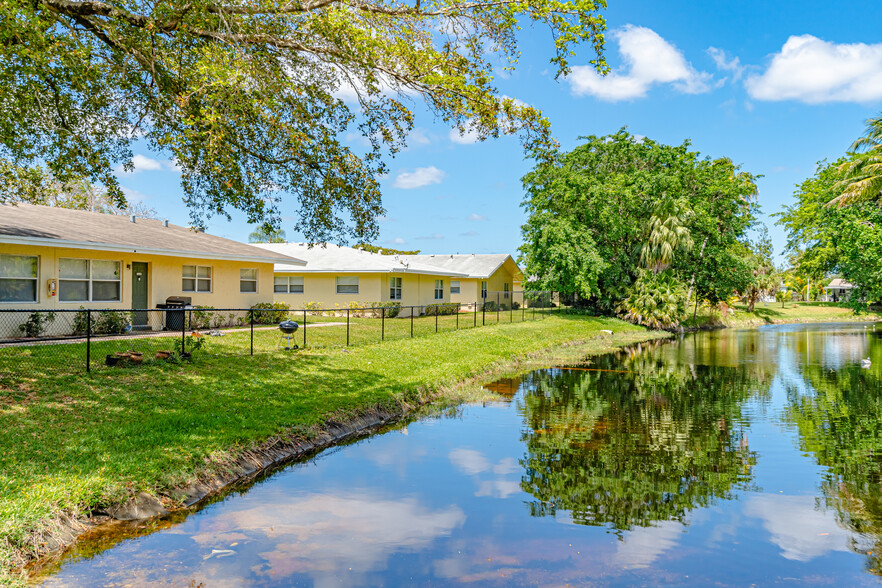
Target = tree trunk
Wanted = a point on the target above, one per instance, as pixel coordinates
(692, 281)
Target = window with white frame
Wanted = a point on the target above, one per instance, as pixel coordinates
(454, 286)
(89, 280)
(247, 280)
(394, 288)
(288, 285)
(19, 278)
(347, 285)
(196, 278)
(439, 289)
(483, 289)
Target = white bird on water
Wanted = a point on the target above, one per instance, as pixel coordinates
(865, 363)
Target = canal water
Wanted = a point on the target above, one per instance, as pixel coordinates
(726, 458)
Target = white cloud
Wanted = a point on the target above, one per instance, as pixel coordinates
(419, 136)
(397, 241)
(469, 461)
(650, 60)
(466, 135)
(797, 526)
(724, 63)
(432, 237)
(469, 234)
(476, 217)
(419, 178)
(811, 70)
(143, 163)
(643, 545)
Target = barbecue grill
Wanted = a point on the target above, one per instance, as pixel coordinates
(174, 311)
(288, 329)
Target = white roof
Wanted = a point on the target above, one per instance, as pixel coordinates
(476, 265)
(329, 258)
(839, 283)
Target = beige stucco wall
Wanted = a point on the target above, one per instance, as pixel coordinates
(321, 288)
(470, 288)
(164, 278)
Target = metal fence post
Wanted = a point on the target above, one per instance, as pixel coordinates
(88, 341)
(382, 323)
(523, 310)
(411, 322)
(251, 317)
(184, 332)
(511, 310)
(476, 314)
(436, 320)
(304, 327)
(484, 312)
(458, 309)
(347, 327)
(497, 308)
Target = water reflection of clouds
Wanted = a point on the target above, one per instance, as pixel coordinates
(641, 546)
(322, 534)
(474, 463)
(801, 530)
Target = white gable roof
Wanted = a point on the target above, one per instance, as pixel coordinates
(329, 258)
(475, 265)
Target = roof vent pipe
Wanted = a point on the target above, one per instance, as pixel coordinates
(131, 218)
(165, 223)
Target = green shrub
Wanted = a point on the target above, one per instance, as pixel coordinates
(269, 313)
(104, 322)
(442, 309)
(200, 317)
(36, 323)
(655, 301)
(515, 305)
(489, 306)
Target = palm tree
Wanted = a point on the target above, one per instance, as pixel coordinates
(667, 233)
(862, 174)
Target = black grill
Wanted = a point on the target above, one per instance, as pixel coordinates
(288, 327)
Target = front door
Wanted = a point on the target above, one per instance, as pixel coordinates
(140, 319)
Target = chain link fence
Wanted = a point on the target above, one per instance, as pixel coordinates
(38, 343)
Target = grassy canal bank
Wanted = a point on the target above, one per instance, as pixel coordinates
(775, 312)
(74, 443)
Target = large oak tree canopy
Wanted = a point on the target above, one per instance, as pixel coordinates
(245, 94)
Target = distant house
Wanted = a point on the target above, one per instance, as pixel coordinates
(838, 290)
(336, 276)
(488, 276)
(56, 258)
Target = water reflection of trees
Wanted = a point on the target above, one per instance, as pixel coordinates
(624, 449)
(840, 422)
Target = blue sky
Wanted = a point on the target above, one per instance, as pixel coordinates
(775, 86)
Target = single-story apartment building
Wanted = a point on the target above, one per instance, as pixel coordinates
(487, 276)
(335, 276)
(56, 258)
(838, 290)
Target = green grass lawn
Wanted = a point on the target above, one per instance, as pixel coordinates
(789, 312)
(73, 441)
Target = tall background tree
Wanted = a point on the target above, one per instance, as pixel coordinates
(653, 227)
(828, 237)
(245, 95)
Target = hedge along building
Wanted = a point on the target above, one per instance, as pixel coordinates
(56, 258)
(336, 277)
(487, 276)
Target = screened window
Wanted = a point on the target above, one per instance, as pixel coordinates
(89, 280)
(18, 278)
(394, 288)
(196, 278)
(247, 280)
(288, 285)
(454, 286)
(439, 289)
(347, 285)
(483, 289)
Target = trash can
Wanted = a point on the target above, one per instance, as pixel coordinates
(174, 312)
